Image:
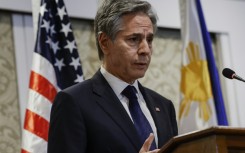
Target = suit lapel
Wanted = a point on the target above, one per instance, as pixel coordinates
(156, 115)
(109, 102)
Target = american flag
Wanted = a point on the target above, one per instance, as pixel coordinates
(56, 65)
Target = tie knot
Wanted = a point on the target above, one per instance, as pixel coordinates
(130, 92)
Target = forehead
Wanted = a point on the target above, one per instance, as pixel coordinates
(136, 21)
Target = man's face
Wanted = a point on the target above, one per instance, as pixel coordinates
(129, 55)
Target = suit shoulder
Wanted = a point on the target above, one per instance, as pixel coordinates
(79, 87)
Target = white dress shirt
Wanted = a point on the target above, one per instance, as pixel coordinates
(118, 86)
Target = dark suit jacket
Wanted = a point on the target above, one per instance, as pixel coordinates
(89, 118)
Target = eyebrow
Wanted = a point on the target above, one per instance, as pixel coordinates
(140, 34)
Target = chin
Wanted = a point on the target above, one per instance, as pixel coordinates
(136, 73)
(140, 75)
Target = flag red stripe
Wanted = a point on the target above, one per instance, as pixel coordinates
(24, 151)
(36, 124)
(42, 86)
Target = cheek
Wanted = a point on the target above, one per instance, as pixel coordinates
(122, 59)
(123, 54)
(122, 62)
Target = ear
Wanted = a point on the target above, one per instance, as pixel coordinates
(104, 42)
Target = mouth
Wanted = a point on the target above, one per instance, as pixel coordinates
(141, 65)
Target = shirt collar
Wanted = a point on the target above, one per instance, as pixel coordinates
(116, 84)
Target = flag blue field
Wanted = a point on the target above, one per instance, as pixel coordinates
(202, 102)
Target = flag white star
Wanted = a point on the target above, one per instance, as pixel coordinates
(46, 25)
(66, 29)
(59, 63)
(50, 15)
(52, 31)
(79, 78)
(43, 9)
(75, 63)
(62, 12)
(55, 46)
(70, 45)
(48, 41)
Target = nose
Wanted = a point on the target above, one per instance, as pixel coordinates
(144, 47)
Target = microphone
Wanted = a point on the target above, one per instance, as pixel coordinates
(230, 74)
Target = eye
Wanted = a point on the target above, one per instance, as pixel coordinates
(150, 40)
(134, 39)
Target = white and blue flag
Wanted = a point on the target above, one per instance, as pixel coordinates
(202, 104)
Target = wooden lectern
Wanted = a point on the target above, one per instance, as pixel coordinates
(212, 140)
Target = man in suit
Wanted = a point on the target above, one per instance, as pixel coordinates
(94, 116)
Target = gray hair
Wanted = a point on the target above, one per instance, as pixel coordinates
(110, 12)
